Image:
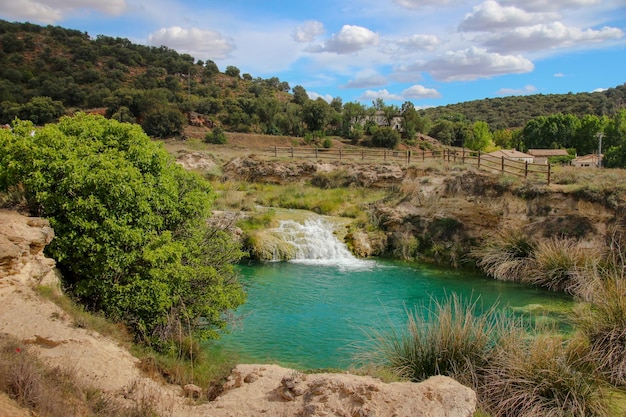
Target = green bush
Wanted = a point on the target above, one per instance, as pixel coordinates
(130, 224)
(216, 136)
(385, 137)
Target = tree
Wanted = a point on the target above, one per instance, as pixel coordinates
(315, 114)
(385, 137)
(41, 110)
(300, 95)
(443, 131)
(163, 121)
(481, 138)
(131, 237)
(353, 116)
(586, 138)
(232, 71)
(210, 68)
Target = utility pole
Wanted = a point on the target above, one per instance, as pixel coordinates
(600, 136)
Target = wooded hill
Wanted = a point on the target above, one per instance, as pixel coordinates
(49, 71)
(516, 111)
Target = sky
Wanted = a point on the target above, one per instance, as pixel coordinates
(429, 52)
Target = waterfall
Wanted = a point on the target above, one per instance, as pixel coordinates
(315, 243)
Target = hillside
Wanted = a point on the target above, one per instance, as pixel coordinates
(515, 111)
(48, 71)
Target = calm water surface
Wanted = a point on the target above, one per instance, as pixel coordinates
(311, 315)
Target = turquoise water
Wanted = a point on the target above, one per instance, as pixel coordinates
(311, 315)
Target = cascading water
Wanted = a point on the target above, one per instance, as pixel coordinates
(314, 242)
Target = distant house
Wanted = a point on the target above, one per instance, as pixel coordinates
(542, 155)
(590, 161)
(513, 155)
(380, 120)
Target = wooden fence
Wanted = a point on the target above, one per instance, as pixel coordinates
(538, 172)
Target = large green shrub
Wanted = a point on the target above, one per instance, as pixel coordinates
(131, 234)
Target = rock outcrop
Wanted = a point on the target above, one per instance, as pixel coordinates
(22, 240)
(272, 390)
(323, 174)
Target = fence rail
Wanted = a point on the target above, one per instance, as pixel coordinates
(518, 168)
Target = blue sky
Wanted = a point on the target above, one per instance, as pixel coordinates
(429, 52)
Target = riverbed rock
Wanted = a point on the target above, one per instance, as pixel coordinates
(281, 391)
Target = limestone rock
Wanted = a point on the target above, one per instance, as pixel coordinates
(285, 392)
(192, 391)
(22, 240)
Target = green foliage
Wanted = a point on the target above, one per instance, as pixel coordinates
(385, 137)
(232, 71)
(163, 121)
(216, 136)
(131, 233)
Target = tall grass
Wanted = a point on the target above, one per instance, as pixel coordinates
(542, 376)
(602, 322)
(453, 337)
(515, 370)
(561, 265)
(506, 256)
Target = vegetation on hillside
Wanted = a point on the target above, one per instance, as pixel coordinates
(49, 71)
(132, 239)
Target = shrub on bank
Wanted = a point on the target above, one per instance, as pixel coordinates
(132, 239)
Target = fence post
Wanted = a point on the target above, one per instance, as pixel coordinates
(362, 154)
(291, 152)
(464, 155)
(316, 155)
(526, 170)
(275, 151)
(479, 159)
(340, 155)
(549, 166)
(408, 157)
(502, 164)
(423, 155)
(384, 154)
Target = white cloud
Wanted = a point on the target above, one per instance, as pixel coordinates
(559, 75)
(314, 96)
(552, 5)
(419, 91)
(52, 11)
(308, 31)
(383, 94)
(366, 79)
(350, 39)
(490, 16)
(547, 36)
(599, 90)
(419, 42)
(417, 4)
(473, 63)
(528, 89)
(203, 43)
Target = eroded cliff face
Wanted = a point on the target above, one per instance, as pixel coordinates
(448, 215)
(440, 215)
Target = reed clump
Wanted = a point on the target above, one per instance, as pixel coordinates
(506, 256)
(515, 369)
